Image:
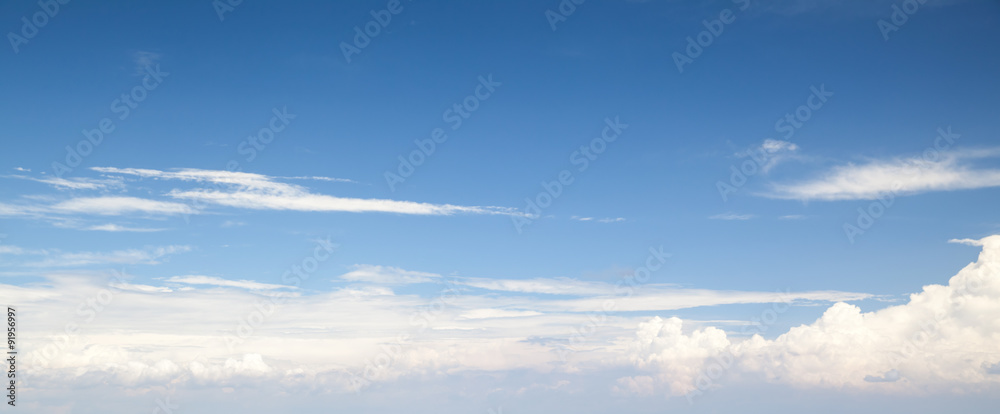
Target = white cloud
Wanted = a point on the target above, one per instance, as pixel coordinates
(147, 255)
(8, 249)
(117, 228)
(776, 145)
(76, 183)
(113, 206)
(770, 153)
(322, 339)
(316, 178)
(144, 59)
(944, 171)
(217, 281)
(553, 286)
(599, 220)
(731, 216)
(496, 313)
(968, 242)
(261, 192)
(388, 275)
(945, 335)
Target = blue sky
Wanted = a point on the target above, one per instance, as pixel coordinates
(908, 115)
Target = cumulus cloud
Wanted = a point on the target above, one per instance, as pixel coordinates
(944, 335)
(942, 339)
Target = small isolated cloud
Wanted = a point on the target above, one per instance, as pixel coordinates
(218, 281)
(891, 376)
(945, 171)
(387, 275)
(770, 152)
(599, 220)
(792, 217)
(232, 223)
(143, 60)
(731, 216)
(777, 145)
(22, 169)
(116, 228)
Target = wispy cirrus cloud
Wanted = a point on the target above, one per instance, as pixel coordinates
(148, 255)
(75, 183)
(118, 205)
(111, 227)
(599, 220)
(388, 275)
(950, 171)
(731, 216)
(218, 281)
(261, 192)
(549, 286)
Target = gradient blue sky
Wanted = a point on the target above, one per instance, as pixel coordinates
(656, 185)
